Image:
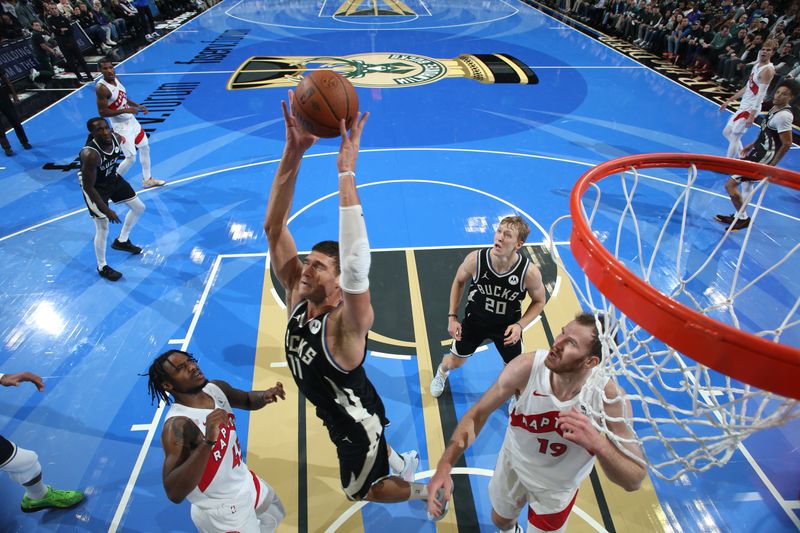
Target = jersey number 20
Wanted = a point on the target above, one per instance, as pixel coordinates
(495, 306)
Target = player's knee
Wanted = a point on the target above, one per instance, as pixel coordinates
(136, 205)
(23, 466)
(101, 227)
(732, 187)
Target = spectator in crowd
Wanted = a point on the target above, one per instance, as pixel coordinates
(741, 24)
(43, 50)
(688, 43)
(66, 42)
(146, 19)
(785, 62)
(10, 28)
(66, 8)
(789, 20)
(26, 14)
(708, 52)
(778, 34)
(110, 29)
(100, 36)
(120, 27)
(7, 94)
(121, 9)
(731, 68)
(679, 32)
(794, 40)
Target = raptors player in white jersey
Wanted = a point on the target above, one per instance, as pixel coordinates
(549, 446)
(202, 457)
(114, 104)
(752, 94)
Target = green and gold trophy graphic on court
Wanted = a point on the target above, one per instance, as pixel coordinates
(382, 70)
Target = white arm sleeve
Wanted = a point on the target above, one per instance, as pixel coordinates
(354, 258)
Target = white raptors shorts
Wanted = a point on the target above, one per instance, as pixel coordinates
(738, 121)
(238, 514)
(548, 510)
(133, 133)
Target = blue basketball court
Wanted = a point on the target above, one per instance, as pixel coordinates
(449, 149)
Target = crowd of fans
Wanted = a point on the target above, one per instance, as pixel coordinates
(715, 39)
(107, 23)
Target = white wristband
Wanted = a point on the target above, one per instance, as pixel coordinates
(347, 173)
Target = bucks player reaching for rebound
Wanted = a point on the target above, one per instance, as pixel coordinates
(100, 182)
(330, 314)
(500, 277)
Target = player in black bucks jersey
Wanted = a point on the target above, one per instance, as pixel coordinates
(330, 314)
(772, 143)
(500, 277)
(100, 183)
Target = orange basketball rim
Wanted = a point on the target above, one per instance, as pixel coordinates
(741, 355)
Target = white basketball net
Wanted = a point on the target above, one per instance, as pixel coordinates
(687, 417)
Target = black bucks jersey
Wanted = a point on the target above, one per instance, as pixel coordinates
(341, 397)
(107, 168)
(769, 139)
(497, 298)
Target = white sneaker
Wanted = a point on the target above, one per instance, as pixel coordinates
(111, 43)
(152, 182)
(58, 70)
(410, 464)
(440, 498)
(437, 385)
(33, 75)
(39, 85)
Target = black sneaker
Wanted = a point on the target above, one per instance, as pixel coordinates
(126, 246)
(109, 273)
(27, 145)
(725, 219)
(742, 223)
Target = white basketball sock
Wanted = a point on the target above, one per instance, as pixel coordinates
(396, 463)
(135, 210)
(36, 491)
(100, 237)
(144, 156)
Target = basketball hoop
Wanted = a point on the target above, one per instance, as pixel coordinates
(699, 380)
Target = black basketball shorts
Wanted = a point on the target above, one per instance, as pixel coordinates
(363, 456)
(115, 189)
(474, 331)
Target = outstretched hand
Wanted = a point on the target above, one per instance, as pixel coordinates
(440, 480)
(348, 150)
(13, 380)
(272, 394)
(297, 137)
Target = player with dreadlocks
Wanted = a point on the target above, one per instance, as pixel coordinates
(203, 461)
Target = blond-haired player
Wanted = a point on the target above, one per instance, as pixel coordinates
(499, 277)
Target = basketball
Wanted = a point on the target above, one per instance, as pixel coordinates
(323, 98)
